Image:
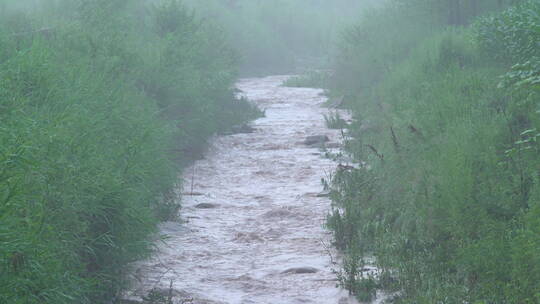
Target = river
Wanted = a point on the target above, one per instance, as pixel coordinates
(253, 232)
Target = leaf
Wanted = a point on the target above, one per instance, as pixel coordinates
(528, 131)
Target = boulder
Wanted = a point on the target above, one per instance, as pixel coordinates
(316, 140)
(193, 194)
(278, 213)
(300, 270)
(242, 129)
(206, 206)
(333, 145)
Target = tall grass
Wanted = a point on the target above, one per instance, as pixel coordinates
(101, 104)
(449, 202)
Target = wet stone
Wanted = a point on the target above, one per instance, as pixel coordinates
(278, 213)
(332, 145)
(193, 194)
(323, 195)
(300, 270)
(206, 206)
(241, 129)
(316, 140)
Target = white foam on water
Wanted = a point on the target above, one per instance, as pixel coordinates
(268, 217)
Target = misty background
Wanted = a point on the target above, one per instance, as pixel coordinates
(104, 104)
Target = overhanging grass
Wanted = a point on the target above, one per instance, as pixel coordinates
(447, 202)
(98, 114)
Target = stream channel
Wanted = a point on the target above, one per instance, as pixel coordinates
(253, 230)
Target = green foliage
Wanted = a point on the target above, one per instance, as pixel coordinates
(513, 35)
(335, 121)
(513, 38)
(352, 278)
(449, 202)
(100, 104)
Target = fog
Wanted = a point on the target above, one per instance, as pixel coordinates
(269, 151)
(282, 36)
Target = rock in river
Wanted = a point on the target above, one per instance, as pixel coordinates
(301, 270)
(316, 140)
(241, 129)
(206, 206)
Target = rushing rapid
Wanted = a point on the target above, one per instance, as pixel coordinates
(252, 222)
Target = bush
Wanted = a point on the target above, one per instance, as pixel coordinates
(100, 106)
(448, 203)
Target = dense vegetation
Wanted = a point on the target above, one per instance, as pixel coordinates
(447, 117)
(282, 36)
(101, 103)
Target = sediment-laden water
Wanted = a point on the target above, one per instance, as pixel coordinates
(253, 232)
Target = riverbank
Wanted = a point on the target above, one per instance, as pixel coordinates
(446, 117)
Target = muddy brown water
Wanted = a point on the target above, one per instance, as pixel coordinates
(259, 237)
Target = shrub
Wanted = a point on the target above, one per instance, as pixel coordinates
(448, 202)
(100, 103)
